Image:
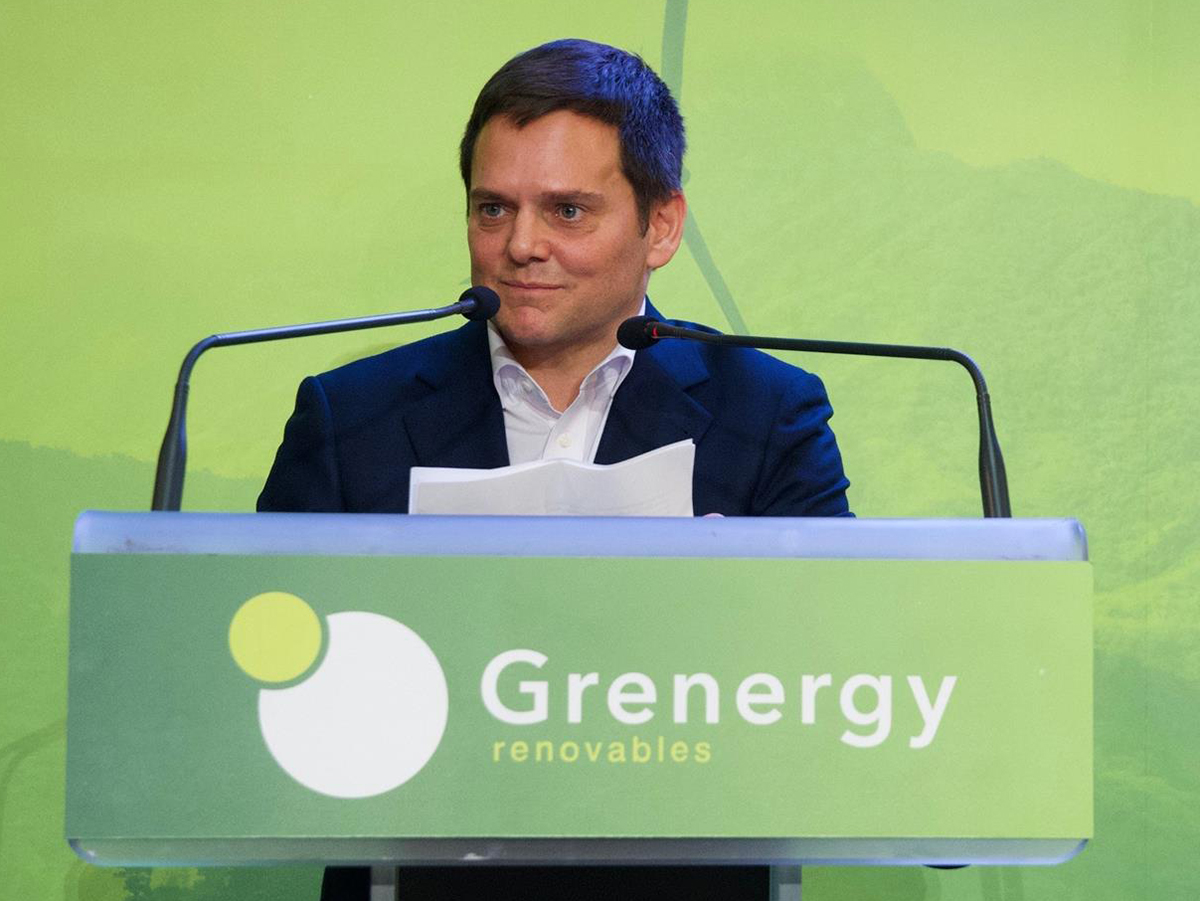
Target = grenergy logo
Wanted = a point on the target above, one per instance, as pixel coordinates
(371, 714)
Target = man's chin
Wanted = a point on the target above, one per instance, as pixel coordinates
(526, 327)
(527, 339)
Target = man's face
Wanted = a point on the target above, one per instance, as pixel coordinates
(553, 228)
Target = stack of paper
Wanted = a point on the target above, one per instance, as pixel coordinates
(658, 483)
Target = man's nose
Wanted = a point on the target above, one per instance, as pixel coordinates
(528, 241)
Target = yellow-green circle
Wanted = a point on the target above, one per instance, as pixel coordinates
(275, 637)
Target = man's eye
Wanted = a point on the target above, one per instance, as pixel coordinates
(569, 211)
(490, 210)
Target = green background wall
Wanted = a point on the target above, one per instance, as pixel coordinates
(1012, 177)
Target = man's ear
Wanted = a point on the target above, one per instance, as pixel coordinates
(665, 229)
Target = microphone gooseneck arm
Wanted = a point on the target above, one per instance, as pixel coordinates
(475, 303)
(993, 481)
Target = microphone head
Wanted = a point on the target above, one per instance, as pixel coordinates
(487, 302)
(634, 333)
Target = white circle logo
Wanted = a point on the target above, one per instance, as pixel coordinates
(366, 720)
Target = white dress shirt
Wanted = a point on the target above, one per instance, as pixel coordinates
(533, 428)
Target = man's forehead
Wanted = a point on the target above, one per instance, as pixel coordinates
(561, 127)
(561, 153)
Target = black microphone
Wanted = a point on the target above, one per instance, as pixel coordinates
(635, 332)
(477, 302)
(640, 332)
(480, 302)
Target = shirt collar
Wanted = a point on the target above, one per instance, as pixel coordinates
(508, 375)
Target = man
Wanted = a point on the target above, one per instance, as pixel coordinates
(571, 160)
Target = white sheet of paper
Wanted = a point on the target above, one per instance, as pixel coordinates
(657, 483)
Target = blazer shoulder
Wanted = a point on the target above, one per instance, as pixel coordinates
(748, 367)
(420, 366)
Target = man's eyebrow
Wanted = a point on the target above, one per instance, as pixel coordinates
(483, 195)
(587, 198)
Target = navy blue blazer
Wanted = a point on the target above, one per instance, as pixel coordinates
(763, 443)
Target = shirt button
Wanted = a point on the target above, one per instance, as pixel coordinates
(564, 440)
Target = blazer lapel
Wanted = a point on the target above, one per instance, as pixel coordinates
(460, 422)
(652, 407)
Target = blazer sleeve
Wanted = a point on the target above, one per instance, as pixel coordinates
(304, 477)
(802, 467)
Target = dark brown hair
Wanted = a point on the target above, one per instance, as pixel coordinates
(596, 80)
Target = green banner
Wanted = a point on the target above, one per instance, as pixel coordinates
(490, 696)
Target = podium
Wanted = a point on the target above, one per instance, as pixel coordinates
(383, 690)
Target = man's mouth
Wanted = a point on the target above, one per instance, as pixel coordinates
(529, 286)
